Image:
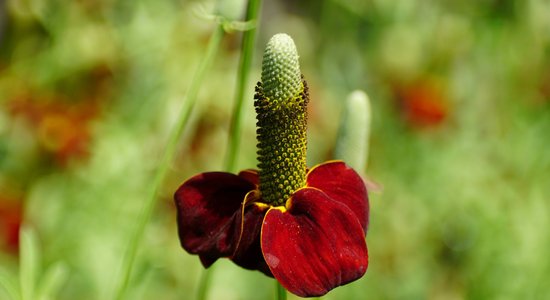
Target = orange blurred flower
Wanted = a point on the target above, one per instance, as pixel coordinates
(62, 128)
(423, 103)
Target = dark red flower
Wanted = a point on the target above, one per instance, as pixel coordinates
(311, 244)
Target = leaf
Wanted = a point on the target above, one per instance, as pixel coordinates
(29, 263)
(52, 281)
(8, 282)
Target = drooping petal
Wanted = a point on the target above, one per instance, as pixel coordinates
(341, 183)
(315, 245)
(250, 175)
(248, 253)
(208, 214)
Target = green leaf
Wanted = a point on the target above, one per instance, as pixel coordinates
(8, 283)
(29, 263)
(52, 281)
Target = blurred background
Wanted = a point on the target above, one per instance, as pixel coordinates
(460, 96)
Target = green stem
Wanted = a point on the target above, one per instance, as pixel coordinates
(280, 290)
(204, 283)
(145, 215)
(247, 52)
(249, 38)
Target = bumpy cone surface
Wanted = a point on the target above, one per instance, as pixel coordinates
(281, 106)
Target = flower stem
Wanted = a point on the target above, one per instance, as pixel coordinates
(280, 291)
(247, 50)
(188, 104)
(249, 38)
(204, 282)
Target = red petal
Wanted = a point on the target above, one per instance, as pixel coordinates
(314, 246)
(248, 253)
(341, 183)
(208, 214)
(251, 176)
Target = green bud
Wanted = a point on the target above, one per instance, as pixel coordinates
(352, 144)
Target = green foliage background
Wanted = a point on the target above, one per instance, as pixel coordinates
(463, 208)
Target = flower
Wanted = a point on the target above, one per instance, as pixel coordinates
(62, 129)
(11, 217)
(423, 103)
(311, 244)
(306, 228)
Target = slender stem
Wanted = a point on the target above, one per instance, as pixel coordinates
(280, 290)
(249, 38)
(145, 215)
(247, 50)
(204, 283)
